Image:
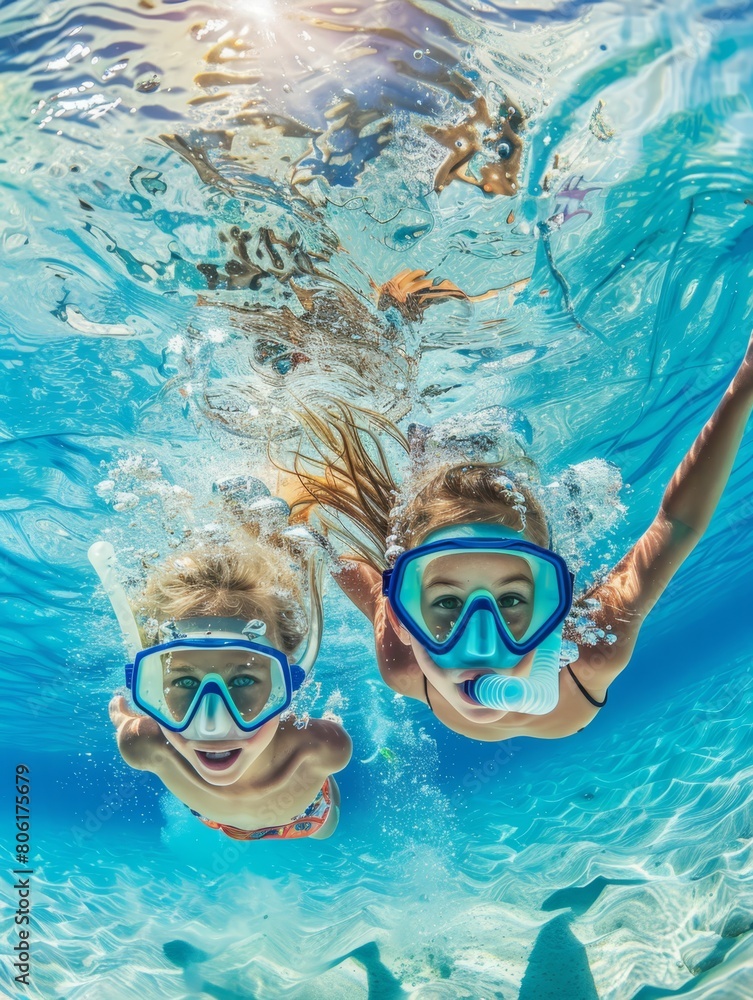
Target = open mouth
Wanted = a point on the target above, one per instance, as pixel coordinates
(218, 760)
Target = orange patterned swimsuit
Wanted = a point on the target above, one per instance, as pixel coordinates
(311, 820)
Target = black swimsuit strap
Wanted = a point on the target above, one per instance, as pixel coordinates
(426, 692)
(586, 695)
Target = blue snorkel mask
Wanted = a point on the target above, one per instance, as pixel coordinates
(522, 608)
(210, 679)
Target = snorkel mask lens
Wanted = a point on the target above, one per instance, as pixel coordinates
(252, 682)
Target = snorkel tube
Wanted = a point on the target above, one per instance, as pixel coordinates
(309, 648)
(536, 694)
(102, 557)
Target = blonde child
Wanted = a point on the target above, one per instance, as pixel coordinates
(225, 628)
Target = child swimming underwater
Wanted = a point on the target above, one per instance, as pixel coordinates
(470, 616)
(211, 685)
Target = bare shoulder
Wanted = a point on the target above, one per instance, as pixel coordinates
(608, 646)
(358, 568)
(322, 741)
(597, 666)
(362, 583)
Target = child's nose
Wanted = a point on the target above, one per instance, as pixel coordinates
(213, 719)
(481, 637)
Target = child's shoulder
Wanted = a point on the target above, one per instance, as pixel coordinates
(321, 739)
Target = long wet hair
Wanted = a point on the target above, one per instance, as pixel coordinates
(243, 579)
(351, 480)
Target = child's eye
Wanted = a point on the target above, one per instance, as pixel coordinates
(509, 601)
(242, 681)
(448, 603)
(188, 683)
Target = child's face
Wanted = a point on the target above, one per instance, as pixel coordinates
(221, 762)
(224, 771)
(447, 583)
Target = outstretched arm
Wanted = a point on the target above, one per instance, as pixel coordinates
(638, 580)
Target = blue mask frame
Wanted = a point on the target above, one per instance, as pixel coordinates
(392, 583)
(293, 676)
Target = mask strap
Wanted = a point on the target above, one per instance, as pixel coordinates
(310, 650)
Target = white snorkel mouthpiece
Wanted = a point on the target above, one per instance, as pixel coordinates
(536, 694)
(102, 557)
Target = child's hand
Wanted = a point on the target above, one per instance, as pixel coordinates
(139, 737)
(120, 712)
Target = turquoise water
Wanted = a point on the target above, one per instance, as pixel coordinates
(613, 864)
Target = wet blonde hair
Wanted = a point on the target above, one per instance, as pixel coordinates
(350, 477)
(242, 580)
